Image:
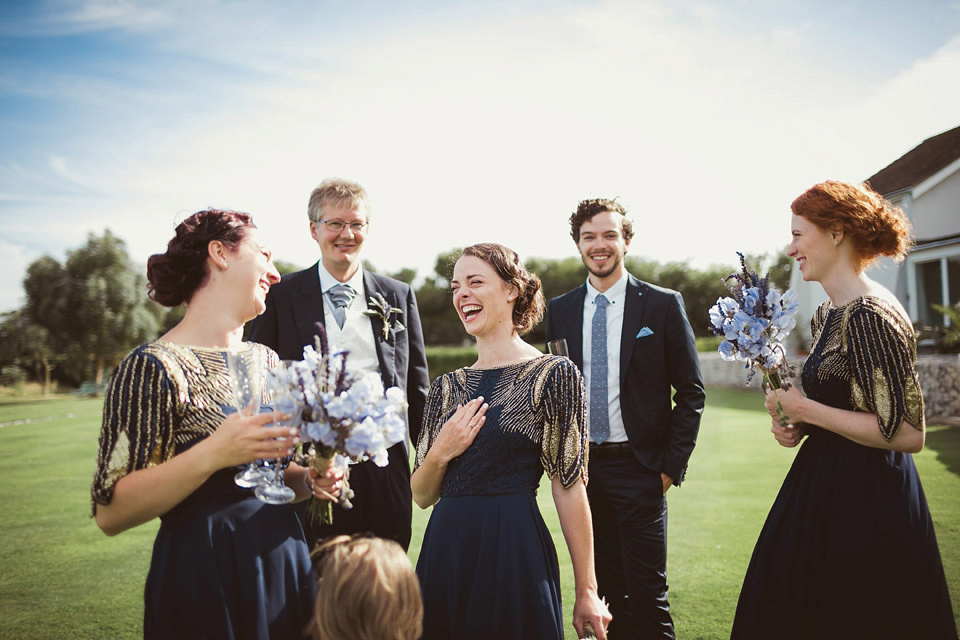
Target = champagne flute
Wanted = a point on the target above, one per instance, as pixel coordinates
(276, 491)
(558, 347)
(246, 383)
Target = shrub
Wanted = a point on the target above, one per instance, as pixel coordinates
(12, 375)
(441, 360)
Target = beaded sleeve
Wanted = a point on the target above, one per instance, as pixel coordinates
(161, 396)
(564, 445)
(437, 399)
(882, 349)
(137, 429)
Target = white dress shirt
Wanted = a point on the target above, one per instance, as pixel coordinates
(617, 296)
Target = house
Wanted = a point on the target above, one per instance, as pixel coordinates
(925, 183)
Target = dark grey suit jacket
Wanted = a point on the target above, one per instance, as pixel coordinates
(658, 355)
(295, 306)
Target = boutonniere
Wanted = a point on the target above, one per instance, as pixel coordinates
(378, 306)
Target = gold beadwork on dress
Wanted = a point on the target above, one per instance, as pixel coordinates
(869, 343)
(543, 401)
(161, 395)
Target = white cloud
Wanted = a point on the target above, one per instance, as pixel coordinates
(63, 17)
(14, 259)
(492, 128)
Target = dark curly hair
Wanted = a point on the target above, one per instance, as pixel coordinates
(874, 225)
(529, 306)
(589, 208)
(174, 276)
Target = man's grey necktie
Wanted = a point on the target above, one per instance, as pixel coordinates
(341, 295)
(599, 416)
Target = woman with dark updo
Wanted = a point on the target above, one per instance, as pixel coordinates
(848, 550)
(487, 566)
(225, 564)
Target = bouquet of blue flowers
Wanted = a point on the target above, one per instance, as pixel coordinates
(342, 419)
(754, 321)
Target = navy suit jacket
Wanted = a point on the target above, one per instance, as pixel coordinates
(295, 306)
(658, 355)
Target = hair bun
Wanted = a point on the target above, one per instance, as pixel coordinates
(175, 275)
(874, 225)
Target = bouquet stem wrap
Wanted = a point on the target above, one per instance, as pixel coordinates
(321, 511)
(772, 380)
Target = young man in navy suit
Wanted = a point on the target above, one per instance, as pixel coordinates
(635, 347)
(335, 292)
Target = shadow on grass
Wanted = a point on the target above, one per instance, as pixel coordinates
(946, 442)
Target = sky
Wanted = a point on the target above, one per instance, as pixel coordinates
(467, 121)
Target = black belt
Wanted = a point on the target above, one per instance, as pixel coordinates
(609, 449)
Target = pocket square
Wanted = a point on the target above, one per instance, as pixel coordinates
(646, 331)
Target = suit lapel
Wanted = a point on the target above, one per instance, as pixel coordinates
(386, 350)
(632, 321)
(310, 307)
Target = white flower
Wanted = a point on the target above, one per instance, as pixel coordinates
(394, 428)
(310, 357)
(364, 438)
(368, 389)
(396, 397)
(381, 458)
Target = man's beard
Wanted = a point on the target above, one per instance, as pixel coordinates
(606, 270)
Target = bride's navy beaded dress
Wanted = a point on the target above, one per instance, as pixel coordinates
(848, 550)
(225, 565)
(488, 567)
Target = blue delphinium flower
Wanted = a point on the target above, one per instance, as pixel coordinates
(754, 321)
(751, 298)
(728, 350)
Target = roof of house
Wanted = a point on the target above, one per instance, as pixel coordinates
(918, 164)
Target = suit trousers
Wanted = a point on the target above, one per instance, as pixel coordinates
(630, 543)
(382, 504)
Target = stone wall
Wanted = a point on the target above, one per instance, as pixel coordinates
(939, 378)
(940, 381)
(718, 372)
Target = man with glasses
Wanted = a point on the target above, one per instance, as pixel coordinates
(336, 291)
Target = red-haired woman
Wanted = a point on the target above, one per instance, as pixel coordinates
(849, 550)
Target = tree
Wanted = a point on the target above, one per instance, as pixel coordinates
(94, 306)
(25, 344)
(441, 324)
(777, 266)
(404, 274)
(443, 267)
(557, 277)
(780, 271)
(285, 267)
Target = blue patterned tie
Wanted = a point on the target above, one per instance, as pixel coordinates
(341, 295)
(599, 416)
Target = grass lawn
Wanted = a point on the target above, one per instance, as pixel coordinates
(61, 577)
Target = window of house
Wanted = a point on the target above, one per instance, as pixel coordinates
(937, 282)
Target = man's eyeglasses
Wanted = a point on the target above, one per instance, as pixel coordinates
(339, 225)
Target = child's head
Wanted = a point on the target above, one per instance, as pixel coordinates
(367, 591)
